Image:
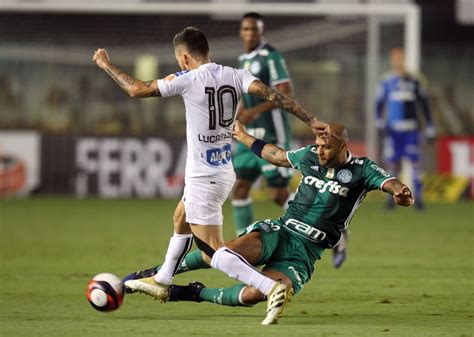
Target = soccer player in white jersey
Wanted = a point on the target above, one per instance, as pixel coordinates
(211, 93)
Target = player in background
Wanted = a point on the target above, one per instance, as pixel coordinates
(211, 93)
(266, 121)
(263, 119)
(332, 187)
(398, 96)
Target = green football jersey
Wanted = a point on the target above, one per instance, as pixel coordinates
(268, 65)
(327, 198)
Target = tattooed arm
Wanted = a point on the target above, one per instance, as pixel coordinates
(282, 101)
(246, 116)
(135, 88)
(271, 153)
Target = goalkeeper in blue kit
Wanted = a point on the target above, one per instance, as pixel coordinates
(332, 187)
(399, 95)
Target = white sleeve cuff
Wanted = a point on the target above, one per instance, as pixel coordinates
(290, 160)
(162, 87)
(383, 182)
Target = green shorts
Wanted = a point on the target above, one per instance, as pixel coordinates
(249, 167)
(286, 252)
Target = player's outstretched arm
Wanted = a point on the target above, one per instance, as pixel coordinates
(135, 88)
(400, 192)
(285, 102)
(271, 153)
(246, 116)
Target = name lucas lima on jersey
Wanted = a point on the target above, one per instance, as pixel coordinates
(215, 138)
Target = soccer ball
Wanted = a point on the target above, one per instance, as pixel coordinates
(105, 292)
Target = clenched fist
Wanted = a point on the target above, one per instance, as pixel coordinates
(101, 58)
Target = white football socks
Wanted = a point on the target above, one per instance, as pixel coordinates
(179, 246)
(239, 269)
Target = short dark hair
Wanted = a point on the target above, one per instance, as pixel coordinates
(252, 15)
(194, 40)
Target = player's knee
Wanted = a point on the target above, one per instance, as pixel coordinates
(204, 247)
(252, 295)
(279, 196)
(178, 218)
(241, 189)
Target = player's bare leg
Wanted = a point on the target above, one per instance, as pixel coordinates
(279, 195)
(181, 242)
(210, 235)
(240, 295)
(250, 247)
(238, 268)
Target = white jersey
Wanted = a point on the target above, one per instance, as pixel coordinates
(211, 94)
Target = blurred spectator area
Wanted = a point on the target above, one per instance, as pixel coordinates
(49, 82)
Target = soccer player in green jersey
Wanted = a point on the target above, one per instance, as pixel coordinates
(267, 122)
(263, 120)
(332, 187)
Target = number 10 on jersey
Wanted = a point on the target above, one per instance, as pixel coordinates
(224, 111)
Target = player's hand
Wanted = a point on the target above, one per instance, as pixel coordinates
(319, 128)
(403, 197)
(101, 58)
(239, 131)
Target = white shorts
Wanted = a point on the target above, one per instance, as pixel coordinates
(203, 199)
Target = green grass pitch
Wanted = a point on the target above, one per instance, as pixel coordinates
(407, 274)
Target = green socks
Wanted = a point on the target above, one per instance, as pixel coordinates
(192, 261)
(242, 214)
(223, 296)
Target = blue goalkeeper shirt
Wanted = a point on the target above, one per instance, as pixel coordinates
(400, 95)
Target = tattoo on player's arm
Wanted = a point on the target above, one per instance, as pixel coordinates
(275, 155)
(122, 79)
(133, 87)
(285, 102)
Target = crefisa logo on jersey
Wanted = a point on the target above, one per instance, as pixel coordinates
(330, 186)
(219, 156)
(344, 176)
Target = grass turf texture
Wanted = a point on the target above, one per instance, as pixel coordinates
(407, 274)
